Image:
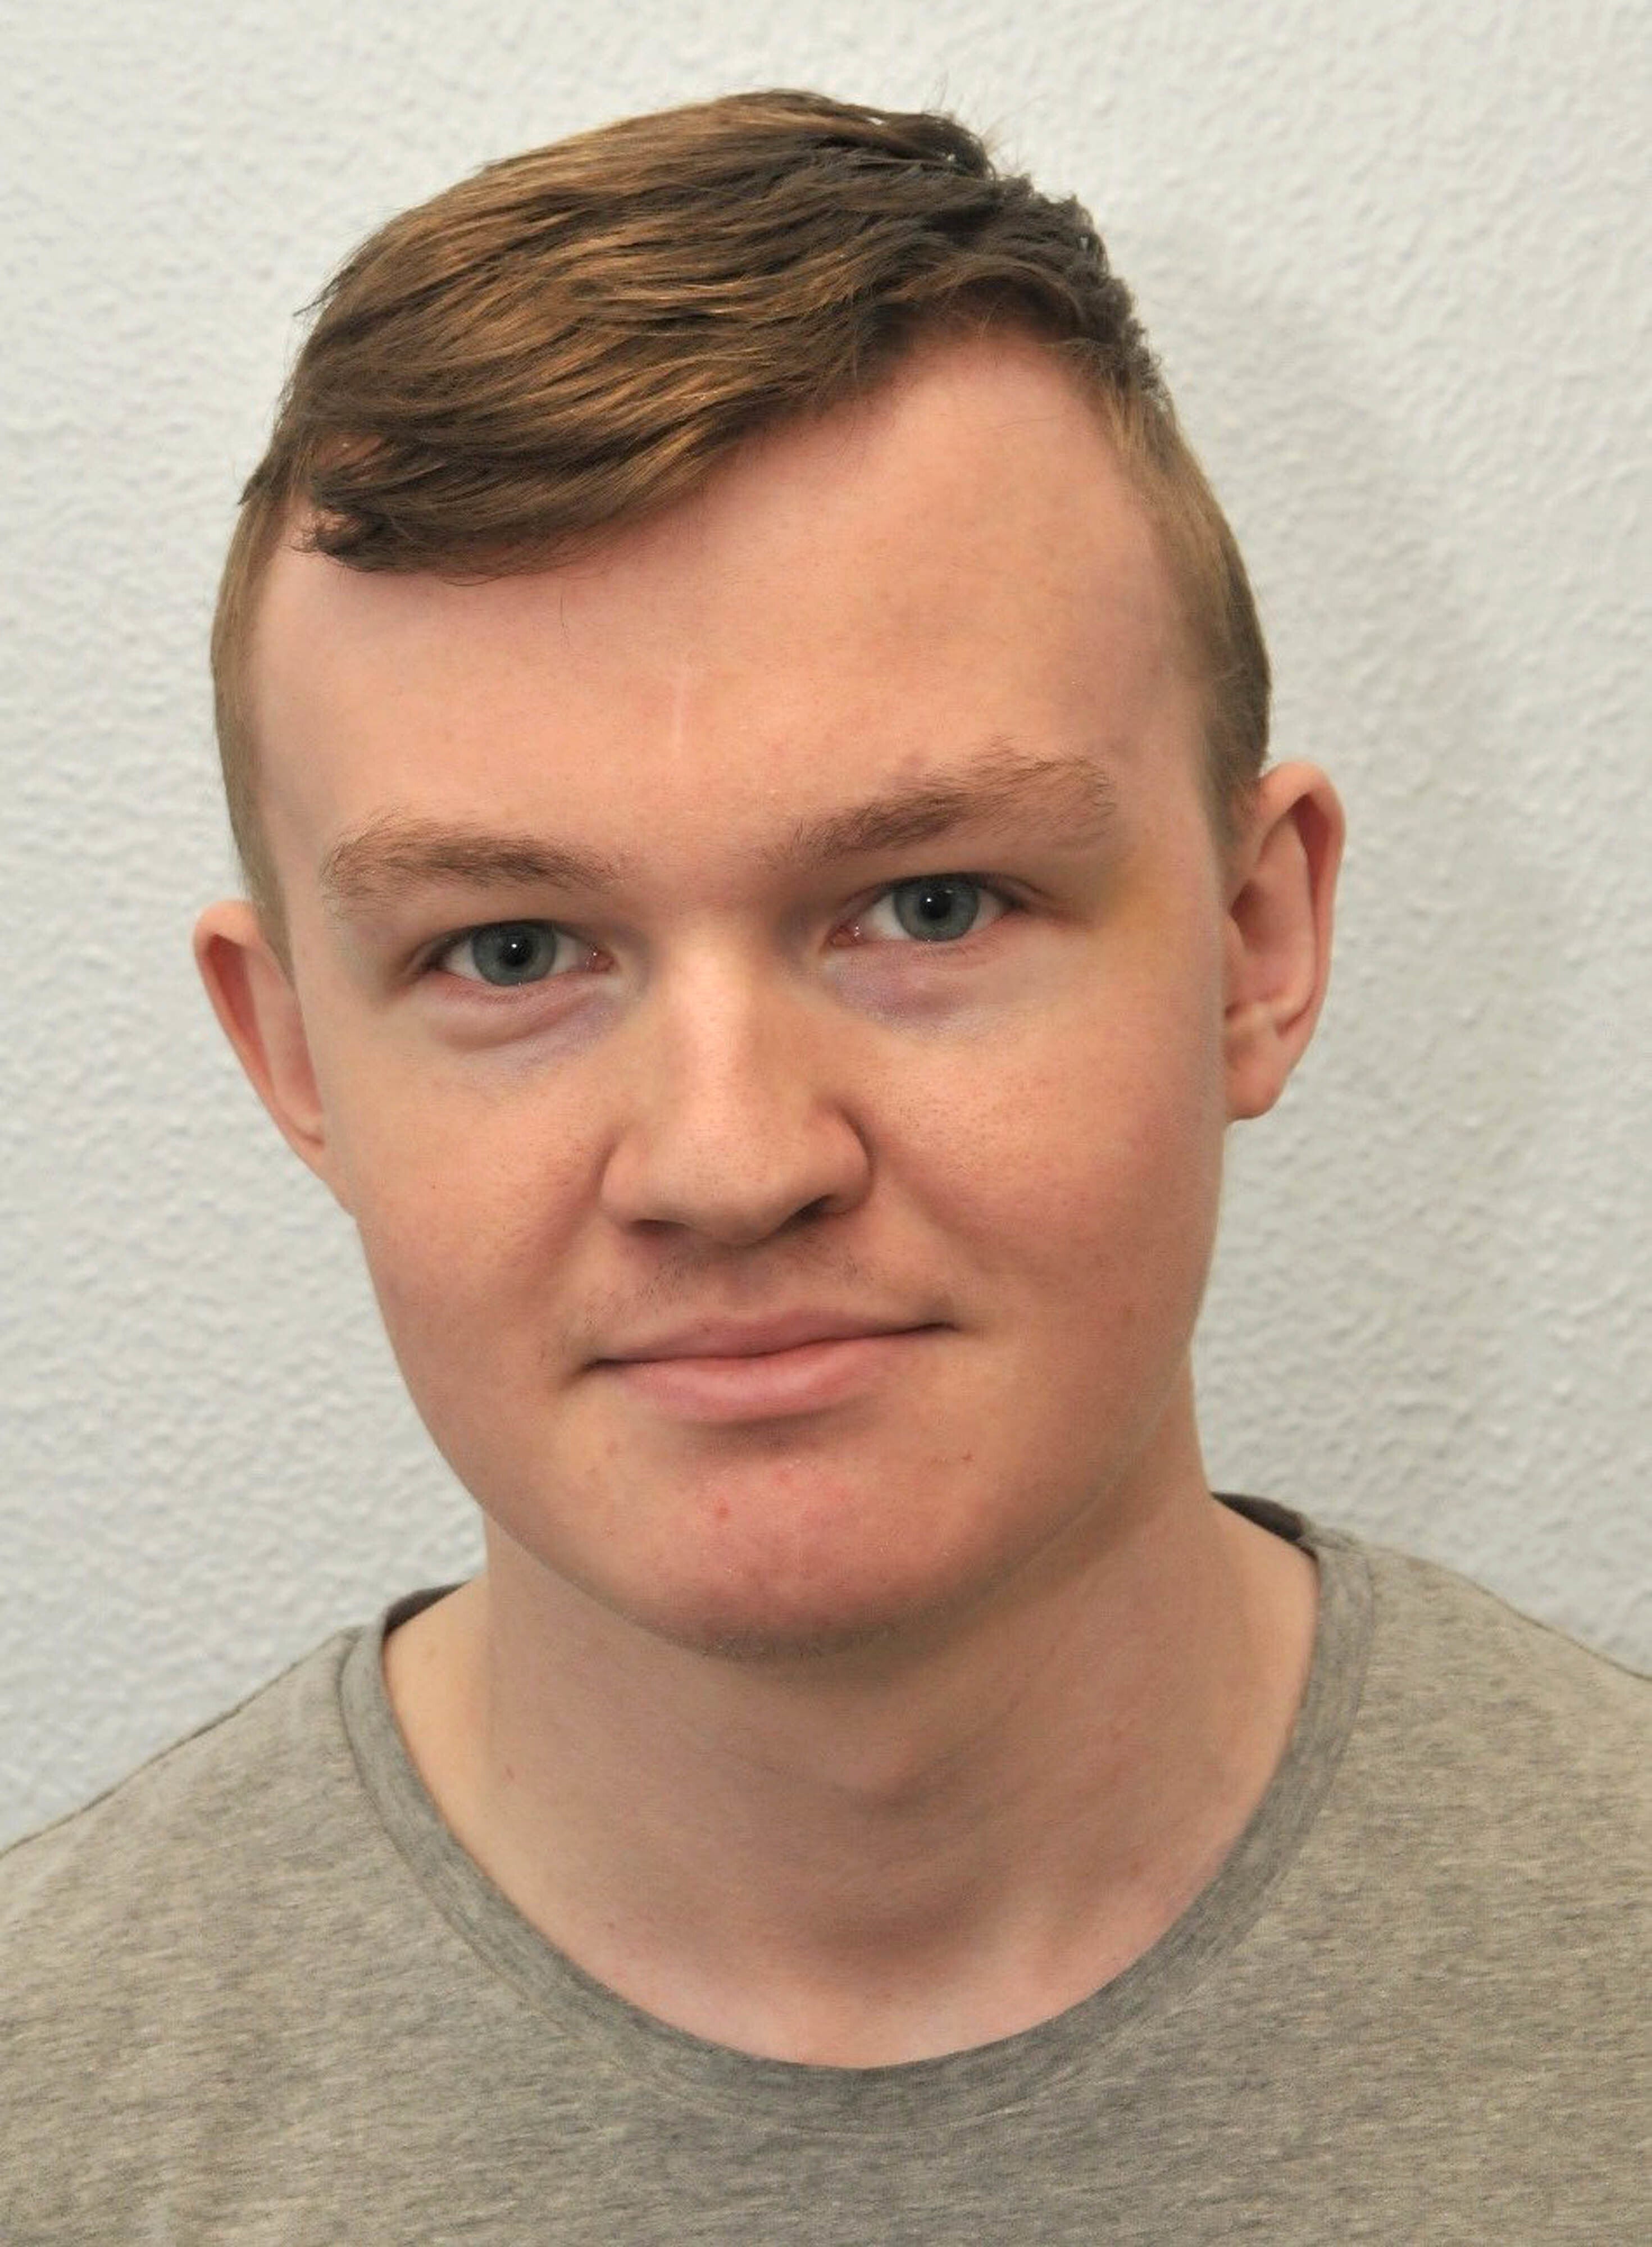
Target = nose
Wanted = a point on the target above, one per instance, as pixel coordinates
(736, 1111)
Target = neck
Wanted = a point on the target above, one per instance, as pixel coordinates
(861, 1861)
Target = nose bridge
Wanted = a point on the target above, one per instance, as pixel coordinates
(724, 1027)
(737, 1109)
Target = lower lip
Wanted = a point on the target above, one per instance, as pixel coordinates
(780, 1382)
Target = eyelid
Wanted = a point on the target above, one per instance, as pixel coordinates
(989, 885)
(428, 959)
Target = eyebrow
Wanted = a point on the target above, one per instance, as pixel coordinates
(1071, 795)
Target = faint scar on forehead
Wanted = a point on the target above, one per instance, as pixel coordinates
(1069, 798)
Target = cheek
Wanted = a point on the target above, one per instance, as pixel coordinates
(1089, 1173)
(463, 1206)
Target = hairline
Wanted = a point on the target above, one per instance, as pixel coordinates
(280, 521)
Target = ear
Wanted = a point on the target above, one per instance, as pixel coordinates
(252, 996)
(1282, 889)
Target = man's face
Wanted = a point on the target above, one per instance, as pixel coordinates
(734, 1082)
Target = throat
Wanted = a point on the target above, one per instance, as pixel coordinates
(896, 1895)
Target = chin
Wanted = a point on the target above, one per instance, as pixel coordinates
(754, 1640)
(816, 1625)
(783, 1560)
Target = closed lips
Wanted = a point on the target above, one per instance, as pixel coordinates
(735, 1340)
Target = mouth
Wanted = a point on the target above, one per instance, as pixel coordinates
(769, 1384)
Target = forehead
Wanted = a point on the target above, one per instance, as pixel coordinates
(958, 559)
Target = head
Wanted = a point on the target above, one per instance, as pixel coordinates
(576, 338)
(744, 563)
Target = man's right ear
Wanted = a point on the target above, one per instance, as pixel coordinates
(254, 999)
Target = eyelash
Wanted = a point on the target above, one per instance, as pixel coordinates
(429, 962)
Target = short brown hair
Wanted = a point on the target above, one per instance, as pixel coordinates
(573, 338)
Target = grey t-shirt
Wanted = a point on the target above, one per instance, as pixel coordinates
(256, 1992)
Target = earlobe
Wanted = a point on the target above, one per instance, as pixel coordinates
(257, 1008)
(1278, 936)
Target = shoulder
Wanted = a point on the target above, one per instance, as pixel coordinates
(147, 1941)
(148, 1887)
(1489, 1747)
(1444, 1989)
(201, 1797)
(1452, 1647)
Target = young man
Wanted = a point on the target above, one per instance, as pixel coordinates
(745, 728)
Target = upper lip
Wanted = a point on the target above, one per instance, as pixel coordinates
(732, 1338)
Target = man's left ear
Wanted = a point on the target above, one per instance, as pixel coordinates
(1281, 888)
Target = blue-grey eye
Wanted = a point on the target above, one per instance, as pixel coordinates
(506, 953)
(937, 906)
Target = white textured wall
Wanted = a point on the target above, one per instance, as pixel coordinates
(1395, 258)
